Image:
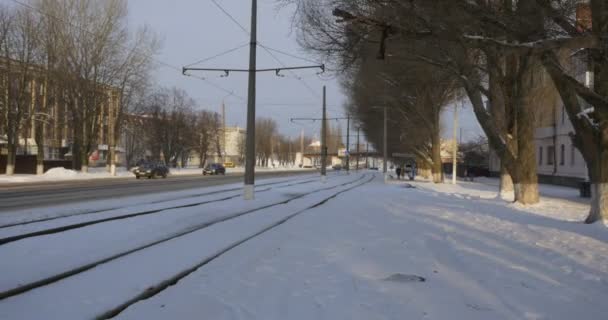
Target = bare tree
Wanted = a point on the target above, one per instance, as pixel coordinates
(208, 128)
(20, 51)
(265, 136)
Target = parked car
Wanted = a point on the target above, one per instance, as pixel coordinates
(214, 169)
(151, 170)
(337, 167)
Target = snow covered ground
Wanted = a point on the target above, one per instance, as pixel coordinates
(345, 249)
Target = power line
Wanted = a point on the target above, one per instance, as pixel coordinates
(304, 83)
(287, 53)
(160, 62)
(218, 55)
(231, 17)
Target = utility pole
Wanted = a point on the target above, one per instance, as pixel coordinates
(224, 131)
(302, 148)
(324, 139)
(367, 155)
(324, 120)
(249, 192)
(385, 147)
(348, 144)
(358, 129)
(455, 147)
(249, 188)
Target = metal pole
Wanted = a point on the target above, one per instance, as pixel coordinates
(385, 146)
(455, 147)
(348, 144)
(223, 149)
(302, 148)
(324, 139)
(367, 155)
(249, 190)
(358, 148)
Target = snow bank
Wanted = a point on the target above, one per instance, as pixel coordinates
(60, 173)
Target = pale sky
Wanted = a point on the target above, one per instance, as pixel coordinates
(192, 30)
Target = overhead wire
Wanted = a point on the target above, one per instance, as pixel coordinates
(160, 62)
(218, 55)
(233, 19)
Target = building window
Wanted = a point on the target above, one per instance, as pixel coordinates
(550, 155)
(572, 155)
(562, 155)
(540, 156)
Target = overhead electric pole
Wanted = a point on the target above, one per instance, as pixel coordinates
(367, 155)
(348, 144)
(249, 187)
(324, 120)
(249, 192)
(302, 148)
(385, 146)
(324, 139)
(455, 147)
(358, 129)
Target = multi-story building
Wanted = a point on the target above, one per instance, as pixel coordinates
(56, 121)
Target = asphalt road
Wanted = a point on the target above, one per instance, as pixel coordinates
(31, 195)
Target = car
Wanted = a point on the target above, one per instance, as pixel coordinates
(151, 170)
(337, 167)
(214, 169)
(229, 165)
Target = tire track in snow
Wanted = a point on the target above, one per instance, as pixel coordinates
(154, 290)
(9, 225)
(68, 227)
(74, 271)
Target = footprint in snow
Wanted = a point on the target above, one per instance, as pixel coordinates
(400, 277)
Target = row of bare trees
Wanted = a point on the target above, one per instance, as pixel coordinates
(75, 57)
(500, 54)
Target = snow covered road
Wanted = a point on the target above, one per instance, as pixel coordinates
(348, 250)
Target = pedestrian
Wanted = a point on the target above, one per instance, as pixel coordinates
(398, 171)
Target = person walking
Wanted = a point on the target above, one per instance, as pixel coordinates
(398, 171)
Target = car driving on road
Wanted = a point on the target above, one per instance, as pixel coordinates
(214, 169)
(151, 170)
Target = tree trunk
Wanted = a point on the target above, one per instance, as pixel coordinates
(10, 157)
(436, 168)
(598, 174)
(76, 146)
(524, 173)
(506, 183)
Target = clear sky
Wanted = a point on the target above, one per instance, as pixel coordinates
(192, 30)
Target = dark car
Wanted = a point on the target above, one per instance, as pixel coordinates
(151, 170)
(214, 169)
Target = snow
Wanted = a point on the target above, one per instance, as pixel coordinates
(62, 174)
(360, 255)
